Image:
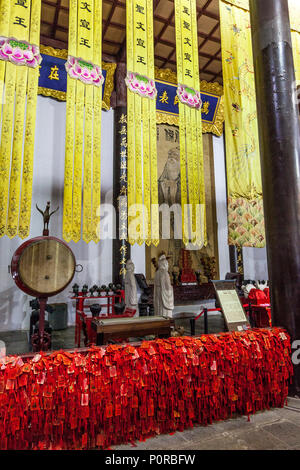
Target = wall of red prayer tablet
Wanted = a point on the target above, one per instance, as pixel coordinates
(125, 393)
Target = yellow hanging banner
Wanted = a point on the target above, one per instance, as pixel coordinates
(294, 10)
(143, 215)
(245, 202)
(82, 185)
(19, 68)
(190, 124)
(296, 54)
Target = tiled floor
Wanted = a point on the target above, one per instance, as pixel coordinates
(277, 429)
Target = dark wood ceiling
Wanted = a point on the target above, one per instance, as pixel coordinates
(54, 32)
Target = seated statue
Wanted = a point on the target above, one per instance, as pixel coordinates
(163, 290)
(131, 300)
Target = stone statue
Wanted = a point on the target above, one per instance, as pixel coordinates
(247, 288)
(131, 300)
(169, 189)
(163, 290)
(46, 215)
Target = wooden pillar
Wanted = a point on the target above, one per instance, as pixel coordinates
(232, 259)
(121, 248)
(236, 260)
(240, 260)
(279, 135)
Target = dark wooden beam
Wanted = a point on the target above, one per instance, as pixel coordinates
(163, 29)
(209, 36)
(212, 59)
(107, 21)
(55, 43)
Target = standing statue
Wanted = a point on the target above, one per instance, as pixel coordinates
(169, 189)
(46, 216)
(131, 300)
(163, 290)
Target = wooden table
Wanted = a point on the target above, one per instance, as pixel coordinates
(131, 327)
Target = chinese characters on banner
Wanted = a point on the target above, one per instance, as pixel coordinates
(83, 122)
(143, 216)
(190, 124)
(19, 71)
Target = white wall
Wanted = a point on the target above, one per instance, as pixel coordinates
(48, 181)
(221, 205)
(255, 264)
(255, 259)
(96, 259)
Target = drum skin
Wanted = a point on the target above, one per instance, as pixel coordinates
(43, 266)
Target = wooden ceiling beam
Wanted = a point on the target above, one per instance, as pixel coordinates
(163, 29)
(107, 21)
(55, 43)
(202, 10)
(203, 54)
(211, 60)
(173, 62)
(55, 20)
(46, 2)
(209, 36)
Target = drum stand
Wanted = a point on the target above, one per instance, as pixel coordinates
(41, 341)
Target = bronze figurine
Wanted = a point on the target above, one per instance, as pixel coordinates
(46, 215)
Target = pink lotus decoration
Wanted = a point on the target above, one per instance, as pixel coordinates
(19, 52)
(142, 85)
(84, 71)
(189, 96)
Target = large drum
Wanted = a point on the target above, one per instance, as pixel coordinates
(43, 266)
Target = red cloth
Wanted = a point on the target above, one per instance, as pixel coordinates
(267, 294)
(258, 297)
(122, 393)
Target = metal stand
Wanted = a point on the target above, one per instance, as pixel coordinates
(41, 341)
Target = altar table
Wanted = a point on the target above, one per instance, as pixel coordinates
(110, 328)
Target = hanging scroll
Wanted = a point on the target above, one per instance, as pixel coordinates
(83, 122)
(245, 199)
(143, 216)
(19, 71)
(190, 124)
(245, 203)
